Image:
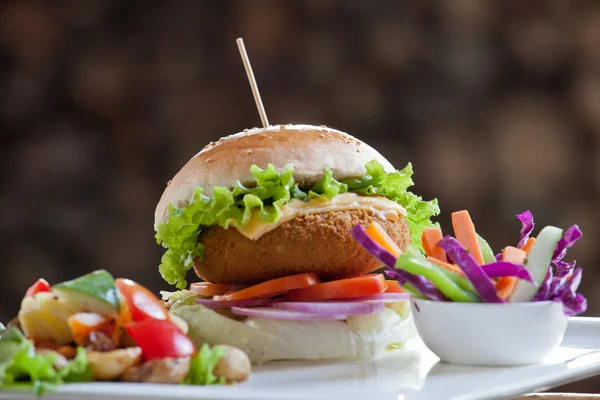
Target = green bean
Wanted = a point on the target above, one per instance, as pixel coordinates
(445, 284)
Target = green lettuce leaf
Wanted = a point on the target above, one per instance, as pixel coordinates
(394, 186)
(202, 366)
(327, 186)
(78, 369)
(182, 297)
(21, 368)
(271, 190)
(224, 208)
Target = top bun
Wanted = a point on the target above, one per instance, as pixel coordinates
(309, 149)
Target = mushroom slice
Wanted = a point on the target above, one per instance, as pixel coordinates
(164, 370)
(109, 365)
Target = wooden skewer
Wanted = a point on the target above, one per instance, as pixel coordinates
(255, 92)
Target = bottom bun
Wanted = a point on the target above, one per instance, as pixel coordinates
(360, 336)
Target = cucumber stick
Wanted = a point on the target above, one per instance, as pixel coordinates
(537, 263)
(486, 250)
(95, 292)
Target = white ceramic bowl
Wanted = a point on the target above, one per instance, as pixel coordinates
(490, 334)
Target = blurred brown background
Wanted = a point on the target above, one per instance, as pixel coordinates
(496, 103)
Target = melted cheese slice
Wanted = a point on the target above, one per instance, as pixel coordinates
(384, 208)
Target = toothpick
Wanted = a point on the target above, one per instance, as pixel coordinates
(255, 92)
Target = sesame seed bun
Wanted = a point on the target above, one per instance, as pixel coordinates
(309, 149)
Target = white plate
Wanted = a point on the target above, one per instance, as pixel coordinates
(413, 373)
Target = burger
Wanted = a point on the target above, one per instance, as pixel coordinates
(264, 218)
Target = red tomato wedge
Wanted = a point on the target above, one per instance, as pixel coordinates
(142, 303)
(365, 285)
(393, 287)
(41, 285)
(273, 287)
(214, 289)
(160, 339)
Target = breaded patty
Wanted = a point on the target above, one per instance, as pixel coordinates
(319, 243)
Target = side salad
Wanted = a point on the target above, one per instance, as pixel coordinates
(97, 328)
(465, 269)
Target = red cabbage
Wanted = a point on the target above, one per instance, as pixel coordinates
(572, 302)
(527, 225)
(564, 271)
(572, 305)
(542, 293)
(564, 268)
(561, 286)
(567, 241)
(484, 286)
(500, 269)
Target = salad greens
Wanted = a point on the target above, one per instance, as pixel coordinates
(203, 365)
(22, 368)
(542, 276)
(271, 190)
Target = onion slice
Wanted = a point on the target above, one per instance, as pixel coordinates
(276, 313)
(331, 307)
(209, 303)
(385, 297)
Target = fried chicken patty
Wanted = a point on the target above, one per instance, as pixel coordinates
(319, 243)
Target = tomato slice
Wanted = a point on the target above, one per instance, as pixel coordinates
(142, 303)
(393, 286)
(274, 287)
(214, 289)
(160, 339)
(365, 285)
(41, 285)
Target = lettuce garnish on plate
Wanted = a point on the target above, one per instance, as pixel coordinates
(22, 368)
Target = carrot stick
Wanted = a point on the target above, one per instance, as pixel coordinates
(379, 235)
(466, 235)
(506, 284)
(528, 245)
(430, 238)
(445, 265)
